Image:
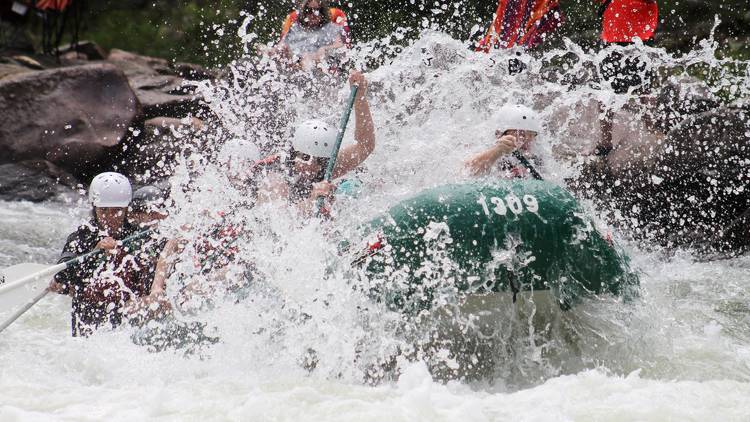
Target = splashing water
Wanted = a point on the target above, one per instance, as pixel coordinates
(304, 340)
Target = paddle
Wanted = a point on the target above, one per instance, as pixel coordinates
(337, 145)
(526, 163)
(20, 284)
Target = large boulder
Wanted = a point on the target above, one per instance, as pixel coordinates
(194, 72)
(152, 153)
(678, 98)
(582, 122)
(72, 116)
(688, 188)
(160, 88)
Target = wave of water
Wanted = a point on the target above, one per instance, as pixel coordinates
(680, 351)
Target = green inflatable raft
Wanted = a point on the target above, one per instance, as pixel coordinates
(511, 236)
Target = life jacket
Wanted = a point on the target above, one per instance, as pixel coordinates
(623, 20)
(58, 5)
(338, 17)
(100, 285)
(216, 248)
(115, 282)
(523, 23)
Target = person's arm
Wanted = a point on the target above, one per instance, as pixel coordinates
(351, 156)
(480, 164)
(156, 303)
(163, 268)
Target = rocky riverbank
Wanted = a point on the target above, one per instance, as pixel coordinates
(63, 121)
(677, 174)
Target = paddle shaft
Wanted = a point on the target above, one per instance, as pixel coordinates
(23, 310)
(63, 265)
(339, 138)
(526, 163)
(53, 270)
(31, 277)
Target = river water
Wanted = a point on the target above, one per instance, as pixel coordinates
(681, 351)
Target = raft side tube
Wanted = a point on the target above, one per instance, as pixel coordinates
(509, 236)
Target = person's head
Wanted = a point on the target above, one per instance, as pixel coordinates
(312, 146)
(313, 14)
(110, 194)
(147, 206)
(519, 121)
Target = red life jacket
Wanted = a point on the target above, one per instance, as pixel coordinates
(624, 20)
(116, 282)
(58, 5)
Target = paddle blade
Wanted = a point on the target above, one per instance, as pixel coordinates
(14, 295)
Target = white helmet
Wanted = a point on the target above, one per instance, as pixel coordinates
(518, 117)
(315, 138)
(238, 155)
(110, 190)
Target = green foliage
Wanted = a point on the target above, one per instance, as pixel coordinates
(205, 32)
(184, 31)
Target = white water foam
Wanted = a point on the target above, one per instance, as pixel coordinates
(678, 352)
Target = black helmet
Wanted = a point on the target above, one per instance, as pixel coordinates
(147, 198)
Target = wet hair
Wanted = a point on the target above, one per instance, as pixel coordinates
(325, 12)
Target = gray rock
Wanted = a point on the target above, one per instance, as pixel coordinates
(194, 72)
(161, 123)
(71, 116)
(90, 49)
(73, 58)
(158, 103)
(134, 64)
(680, 98)
(28, 62)
(164, 95)
(34, 181)
(7, 69)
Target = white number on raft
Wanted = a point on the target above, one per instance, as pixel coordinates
(514, 204)
(500, 208)
(531, 203)
(511, 202)
(481, 201)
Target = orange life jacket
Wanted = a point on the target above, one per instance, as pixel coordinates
(624, 20)
(338, 17)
